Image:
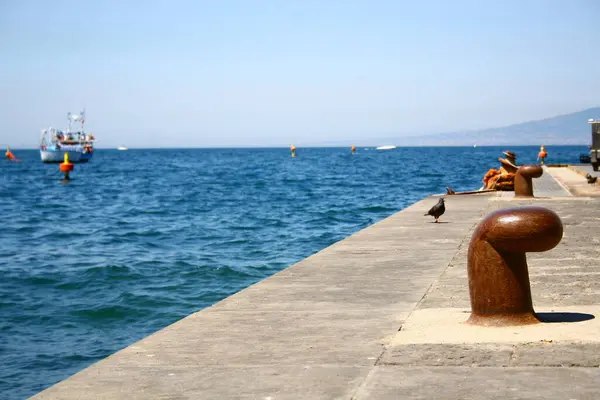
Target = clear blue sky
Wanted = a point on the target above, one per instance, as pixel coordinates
(209, 73)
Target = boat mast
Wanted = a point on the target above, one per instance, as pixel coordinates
(82, 117)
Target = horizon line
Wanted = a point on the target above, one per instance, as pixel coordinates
(312, 146)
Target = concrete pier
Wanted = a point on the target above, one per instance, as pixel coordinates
(379, 315)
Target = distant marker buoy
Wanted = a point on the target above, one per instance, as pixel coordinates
(293, 149)
(353, 149)
(10, 156)
(66, 167)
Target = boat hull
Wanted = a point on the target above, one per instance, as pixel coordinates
(58, 156)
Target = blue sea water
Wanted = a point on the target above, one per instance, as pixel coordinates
(139, 239)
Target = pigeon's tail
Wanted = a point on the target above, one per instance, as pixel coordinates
(426, 214)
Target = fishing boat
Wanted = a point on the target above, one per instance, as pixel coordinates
(122, 148)
(54, 143)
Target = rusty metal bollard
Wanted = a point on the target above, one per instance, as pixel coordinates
(497, 265)
(523, 184)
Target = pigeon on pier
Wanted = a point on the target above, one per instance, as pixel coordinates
(437, 210)
(591, 179)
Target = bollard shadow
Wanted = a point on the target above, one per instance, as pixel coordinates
(552, 317)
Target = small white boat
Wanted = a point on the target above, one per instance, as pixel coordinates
(387, 147)
(54, 143)
(123, 148)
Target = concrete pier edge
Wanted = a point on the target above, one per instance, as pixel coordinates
(379, 315)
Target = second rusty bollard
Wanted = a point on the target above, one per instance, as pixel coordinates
(497, 264)
(523, 183)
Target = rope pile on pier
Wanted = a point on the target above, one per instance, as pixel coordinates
(504, 177)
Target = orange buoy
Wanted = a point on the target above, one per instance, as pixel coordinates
(66, 166)
(353, 149)
(293, 149)
(9, 155)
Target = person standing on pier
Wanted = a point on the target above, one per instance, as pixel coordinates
(542, 154)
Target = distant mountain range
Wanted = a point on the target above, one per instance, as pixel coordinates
(568, 129)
